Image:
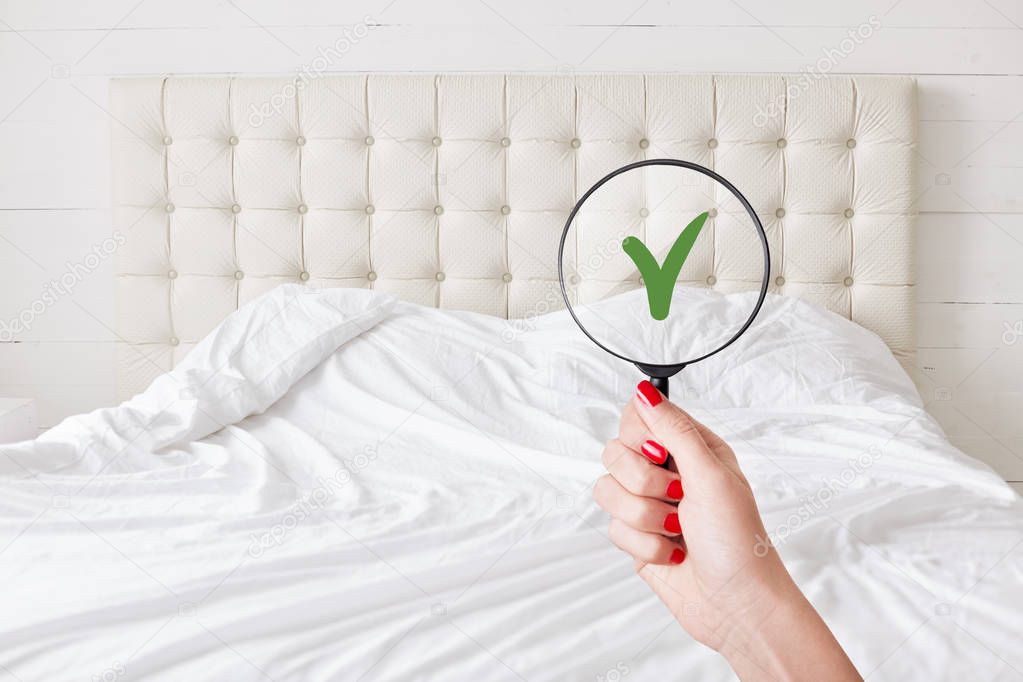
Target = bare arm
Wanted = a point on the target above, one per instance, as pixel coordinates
(699, 543)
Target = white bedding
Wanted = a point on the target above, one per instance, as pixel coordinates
(404, 493)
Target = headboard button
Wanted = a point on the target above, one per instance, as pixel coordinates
(440, 277)
(303, 209)
(169, 208)
(574, 279)
(371, 276)
(304, 276)
(505, 141)
(235, 208)
(850, 143)
(239, 275)
(370, 210)
(712, 143)
(780, 281)
(369, 140)
(438, 210)
(233, 140)
(849, 213)
(506, 277)
(780, 213)
(436, 142)
(848, 281)
(644, 213)
(644, 143)
(712, 213)
(168, 141)
(576, 143)
(173, 274)
(300, 141)
(712, 280)
(782, 143)
(505, 210)
(173, 341)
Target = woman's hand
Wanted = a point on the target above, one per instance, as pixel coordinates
(698, 541)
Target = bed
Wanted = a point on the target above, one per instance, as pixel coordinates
(354, 446)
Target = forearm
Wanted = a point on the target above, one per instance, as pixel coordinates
(788, 641)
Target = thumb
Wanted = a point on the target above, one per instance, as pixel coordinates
(673, 428)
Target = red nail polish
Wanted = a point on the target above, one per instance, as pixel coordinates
(671, 523)
(674, 490)
(648, 394)
(654, 451)
(678, 556)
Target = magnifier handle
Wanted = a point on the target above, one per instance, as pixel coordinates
(661, 384)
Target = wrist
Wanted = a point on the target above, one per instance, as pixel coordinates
(773, 602)
(784, 638)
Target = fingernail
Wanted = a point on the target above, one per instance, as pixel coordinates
(678, 556)
(654, 451)
(674, 490)
(671, 523)
(648, 394)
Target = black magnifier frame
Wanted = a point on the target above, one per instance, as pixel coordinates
(659, 374)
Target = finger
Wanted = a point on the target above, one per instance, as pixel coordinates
(642, 513)
(675, 429)
(639, 475)
(633, 431)
(647, 548)
(717, 445)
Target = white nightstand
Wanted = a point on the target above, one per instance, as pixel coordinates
(17, 419)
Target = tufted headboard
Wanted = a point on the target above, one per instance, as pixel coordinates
(451, 190)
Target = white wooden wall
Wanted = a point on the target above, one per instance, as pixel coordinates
(56, 57)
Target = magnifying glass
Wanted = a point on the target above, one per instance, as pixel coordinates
(639, 280)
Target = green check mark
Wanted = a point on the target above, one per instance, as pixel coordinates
(660, 279)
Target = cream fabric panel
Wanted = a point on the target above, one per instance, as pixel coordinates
(451, 190)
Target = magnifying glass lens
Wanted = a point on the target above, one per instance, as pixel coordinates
(641, 268)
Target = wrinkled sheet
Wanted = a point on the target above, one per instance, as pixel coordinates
(335, 485)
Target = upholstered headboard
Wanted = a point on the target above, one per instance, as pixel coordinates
(451, 190)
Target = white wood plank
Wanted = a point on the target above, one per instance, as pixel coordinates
(60, 137)
(971, 166)
(508, 47)
(972, 326)
(55, 403)
(975, 144)
(971, 370)
(1005, 456)
(969, 98)
(63, 378)
(969, 189)
(129, 14)
(58, 275)
(966, 391)
(971, 258)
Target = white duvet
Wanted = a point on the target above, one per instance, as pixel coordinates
(337, 486)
